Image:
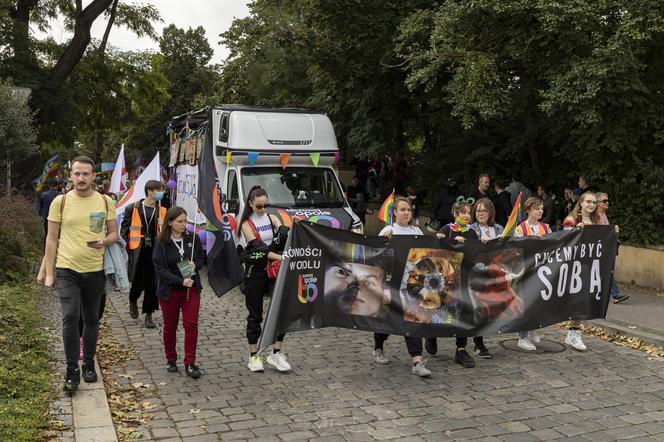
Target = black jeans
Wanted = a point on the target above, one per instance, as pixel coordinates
(144, 282)
(255, 287)
(80, 294)
(414, 345)
(462, 341)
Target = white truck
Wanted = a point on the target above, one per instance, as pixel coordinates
(258, 139)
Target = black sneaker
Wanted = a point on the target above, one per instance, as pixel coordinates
(72, 379)
(482, 352)
(89, 372)
(620, 298)
(431, 345)
(192, 371)
(463, 358)
(171, 367)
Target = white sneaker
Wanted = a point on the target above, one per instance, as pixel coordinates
(255, 363)
(526, 344)
(278, 361)
(574, 339)
(420, 370)
(534, 337)
(379, 357)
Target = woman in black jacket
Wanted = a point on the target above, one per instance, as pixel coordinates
(177, 257)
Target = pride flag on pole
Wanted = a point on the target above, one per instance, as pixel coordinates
(385, 212)
(514, 219)
(50, 168)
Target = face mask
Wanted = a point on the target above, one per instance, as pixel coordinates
(158, 196)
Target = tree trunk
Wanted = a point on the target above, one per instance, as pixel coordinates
(79, 42)
(111, 20)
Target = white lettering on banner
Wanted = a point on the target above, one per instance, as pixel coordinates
(570, 282)
(187, 192)
(569, 253)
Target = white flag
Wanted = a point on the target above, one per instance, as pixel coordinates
(119, 177)
(137, 191)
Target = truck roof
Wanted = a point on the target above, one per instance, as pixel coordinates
(195, 117)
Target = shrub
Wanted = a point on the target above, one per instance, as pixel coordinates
(21, 238)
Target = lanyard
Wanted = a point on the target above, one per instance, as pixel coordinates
(488, 231)
(179, 243)
(148, 221)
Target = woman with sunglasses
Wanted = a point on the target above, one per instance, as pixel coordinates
(602, 206)
(259, 230)
(583, 214)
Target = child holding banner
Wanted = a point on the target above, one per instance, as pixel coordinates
(532, 226)
(460, 231)
(403, 215)
(583, 214)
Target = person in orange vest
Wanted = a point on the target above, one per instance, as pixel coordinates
(140, 226)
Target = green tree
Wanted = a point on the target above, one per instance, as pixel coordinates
(17, 133)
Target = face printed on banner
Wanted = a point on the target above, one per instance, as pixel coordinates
(356, 289)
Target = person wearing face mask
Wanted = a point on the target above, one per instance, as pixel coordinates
(460, 231)
(140, 226)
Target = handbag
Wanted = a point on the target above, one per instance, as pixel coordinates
(273, 269)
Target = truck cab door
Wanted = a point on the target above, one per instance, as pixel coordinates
(233, 194)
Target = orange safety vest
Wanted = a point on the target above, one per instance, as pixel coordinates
(525, 229)
(136, 226)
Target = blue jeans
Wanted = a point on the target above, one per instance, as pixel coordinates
(615, 291)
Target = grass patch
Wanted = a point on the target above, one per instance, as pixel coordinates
(26, 378)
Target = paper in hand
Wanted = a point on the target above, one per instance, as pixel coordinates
(186, 269)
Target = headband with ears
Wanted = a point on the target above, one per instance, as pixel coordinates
(462, 200)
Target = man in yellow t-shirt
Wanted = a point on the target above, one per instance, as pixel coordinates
(80, 224)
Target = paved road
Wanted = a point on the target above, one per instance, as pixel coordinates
(336, 393)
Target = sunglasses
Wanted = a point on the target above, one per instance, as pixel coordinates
(604, 201)
(262, 206)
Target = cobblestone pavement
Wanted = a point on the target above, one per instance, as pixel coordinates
(335, 393)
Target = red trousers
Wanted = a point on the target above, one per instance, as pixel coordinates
(170, 311)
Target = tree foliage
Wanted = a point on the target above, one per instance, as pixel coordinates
(546, 90)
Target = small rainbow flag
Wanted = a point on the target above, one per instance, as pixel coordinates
(514, 219)
(385, 212)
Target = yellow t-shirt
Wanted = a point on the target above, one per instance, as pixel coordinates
(83, 219)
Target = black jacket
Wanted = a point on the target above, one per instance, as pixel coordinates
(124, 233)
(503, 207)
(165, 257)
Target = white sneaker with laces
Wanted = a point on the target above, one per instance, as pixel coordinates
(574, 339)
(526, 344)
(255, 363)
(379, 357)
(420, 370)
(278, 361)
(534, 337)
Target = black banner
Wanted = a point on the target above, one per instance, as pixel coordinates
(422, 286)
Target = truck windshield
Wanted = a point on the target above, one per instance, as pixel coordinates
(296, 187)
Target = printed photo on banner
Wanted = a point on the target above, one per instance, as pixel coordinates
(494, 280)
(430, 286)
(357, 280)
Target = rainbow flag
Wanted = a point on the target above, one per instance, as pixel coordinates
(385, 212)
(514, 219)
(50, 169)
(106, 167)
